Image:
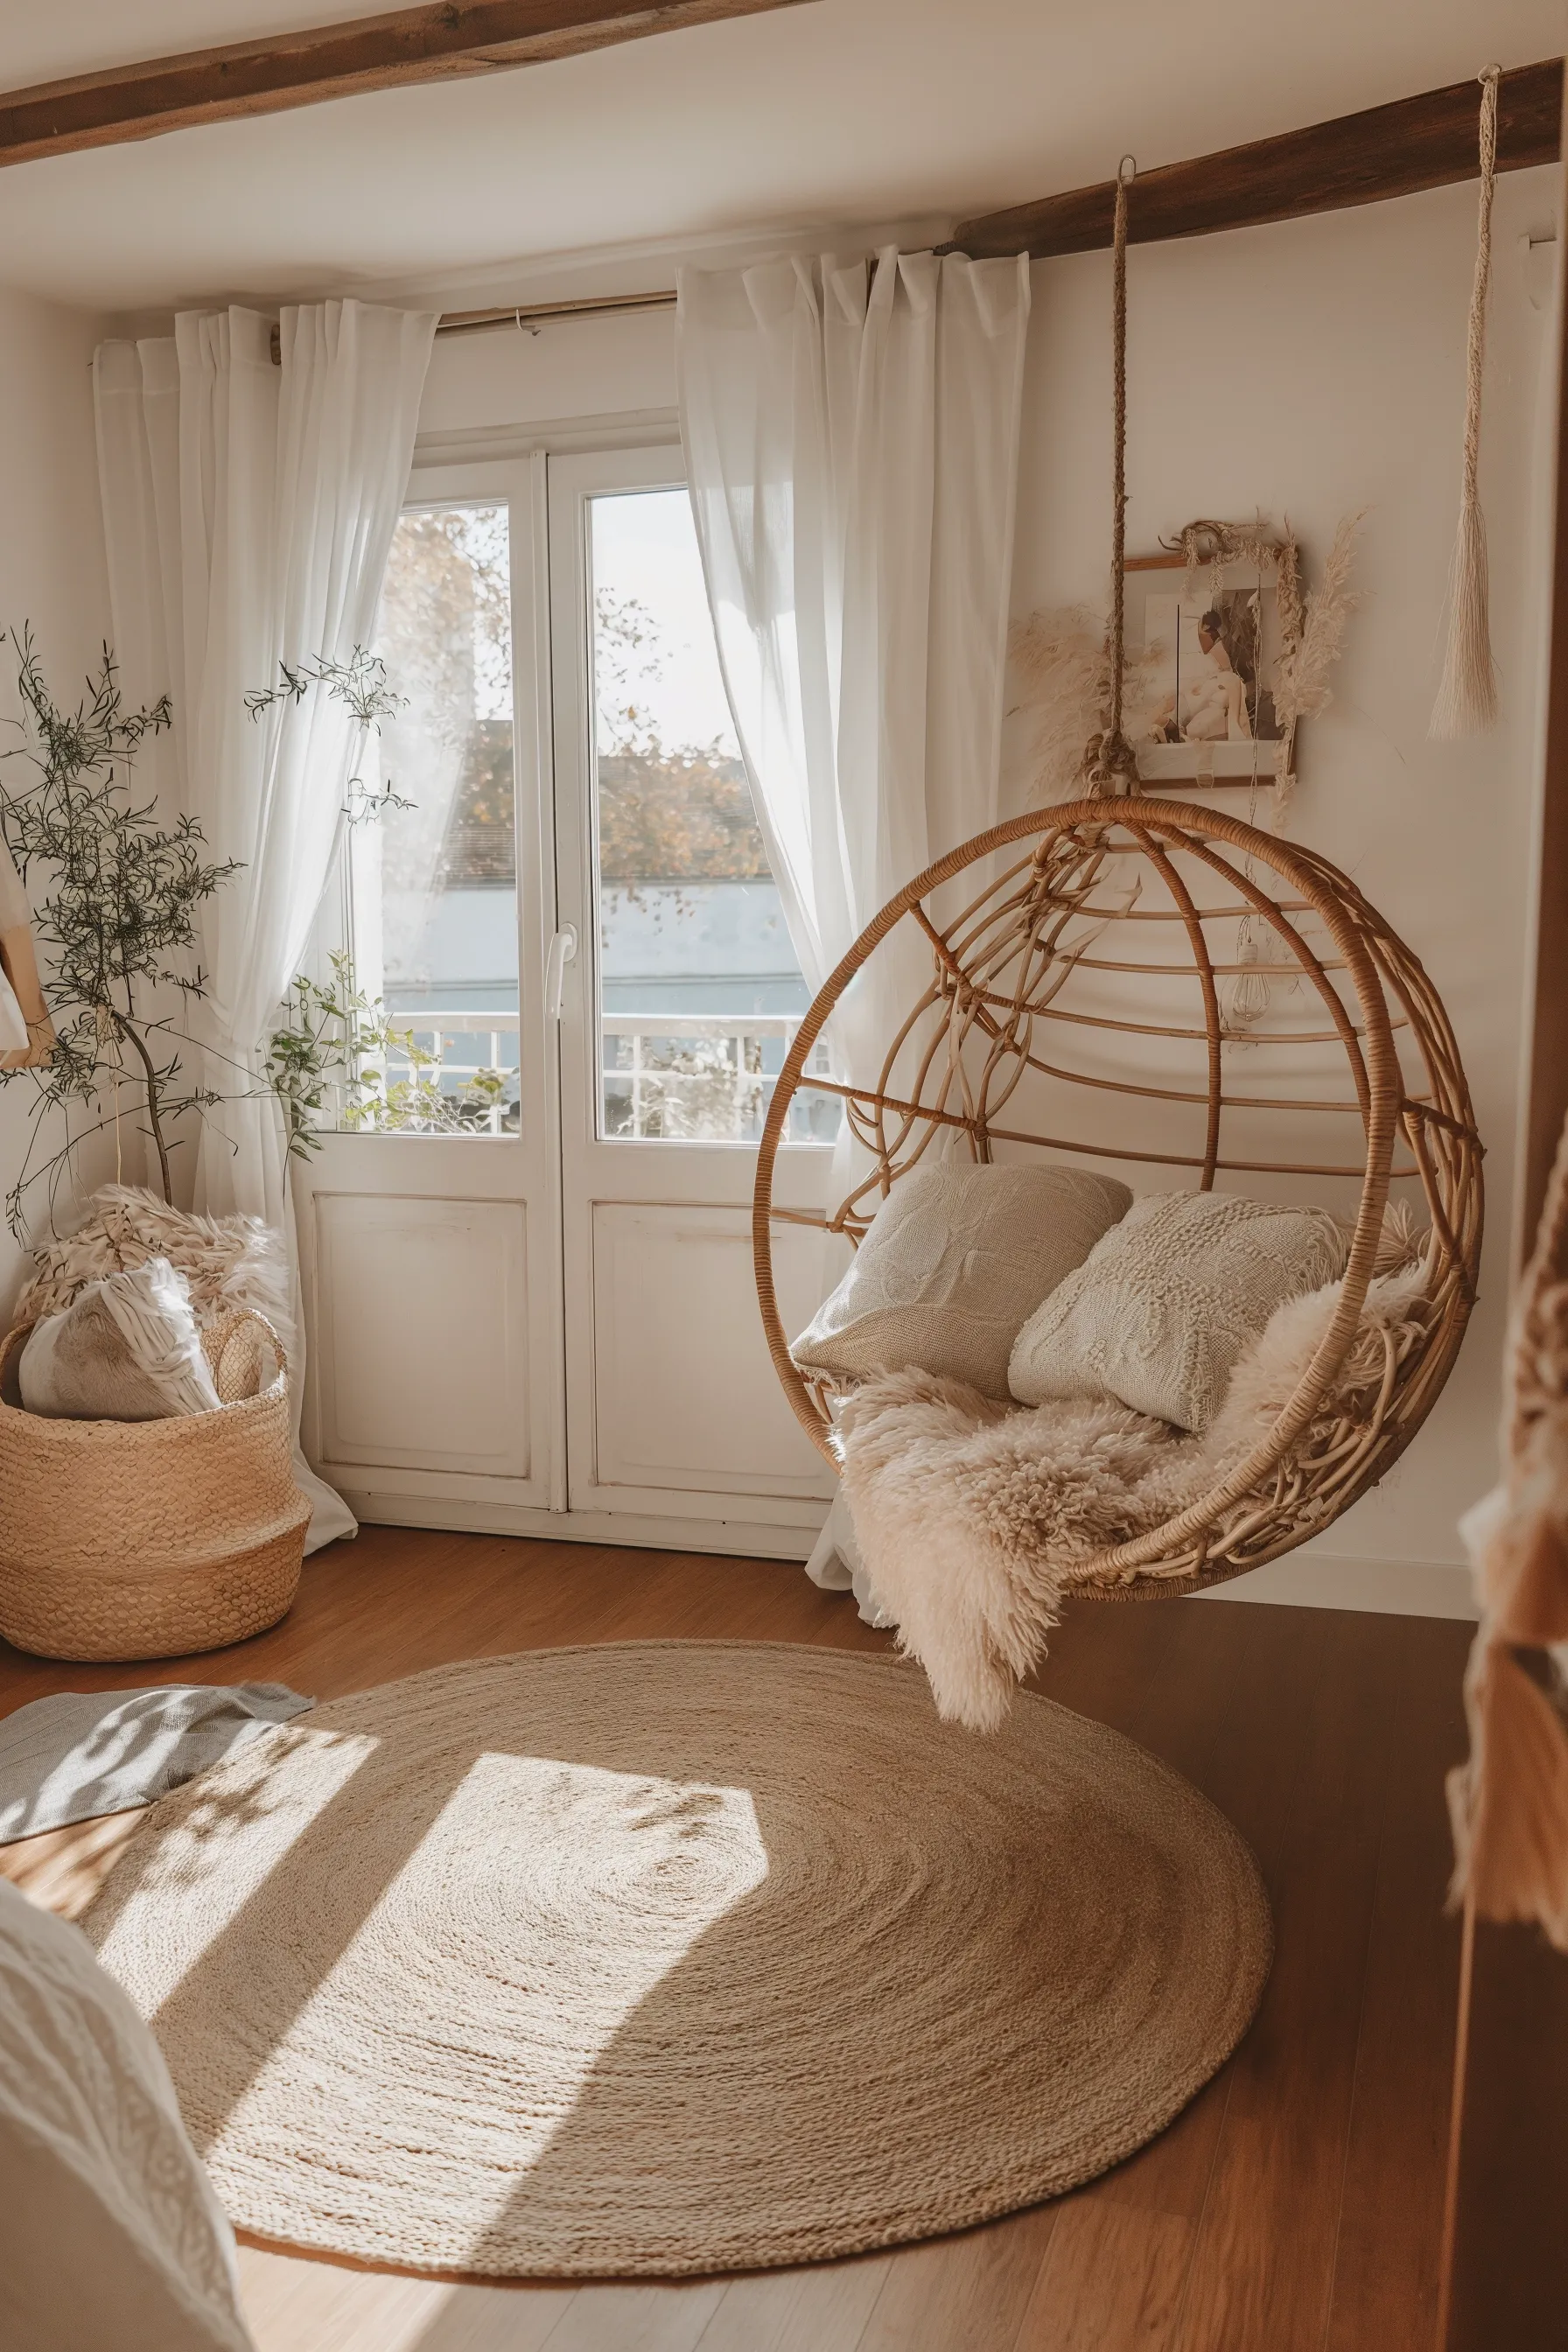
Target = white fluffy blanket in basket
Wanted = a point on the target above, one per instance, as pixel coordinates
(970, 1514)
(227, 1262)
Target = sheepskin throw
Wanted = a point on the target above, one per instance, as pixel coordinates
(1157, 1317)
(956, 1261)
(227, 1262)
(972, 1518)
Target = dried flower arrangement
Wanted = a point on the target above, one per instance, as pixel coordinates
(1061, 658)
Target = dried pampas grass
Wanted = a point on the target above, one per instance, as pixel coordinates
(1061, 662)
(1061, 666)
(1302, 684)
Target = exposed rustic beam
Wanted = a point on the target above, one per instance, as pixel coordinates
(286, 69)
(1388, 150)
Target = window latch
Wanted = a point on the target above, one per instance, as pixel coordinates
(562, 951)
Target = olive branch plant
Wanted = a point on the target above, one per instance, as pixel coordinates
(116, 920)
(116, 892)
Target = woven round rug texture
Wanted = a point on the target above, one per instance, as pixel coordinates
(673, 1957)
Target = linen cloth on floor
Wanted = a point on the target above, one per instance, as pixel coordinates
(110, 2233)
(76, 1754)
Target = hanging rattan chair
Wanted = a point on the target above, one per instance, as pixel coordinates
(1087, 1004)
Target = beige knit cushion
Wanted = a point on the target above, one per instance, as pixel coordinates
(1167, 1302)
(955, 1262)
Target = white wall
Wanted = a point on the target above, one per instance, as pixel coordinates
(51, 560)
(1305, 369)
(583, 368)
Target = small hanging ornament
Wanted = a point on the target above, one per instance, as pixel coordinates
(1109, 762)
(1467, 699)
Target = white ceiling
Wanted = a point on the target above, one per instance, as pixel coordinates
(838, 114)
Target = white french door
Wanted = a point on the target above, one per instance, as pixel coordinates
(684, 991)
(545, 1322)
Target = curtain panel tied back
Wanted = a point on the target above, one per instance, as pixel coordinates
(248, 511)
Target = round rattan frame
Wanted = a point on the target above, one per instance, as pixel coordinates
(1000, 967)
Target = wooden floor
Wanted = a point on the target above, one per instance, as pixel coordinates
(1295, 2207)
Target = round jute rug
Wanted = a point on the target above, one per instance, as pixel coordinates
(666, 1957)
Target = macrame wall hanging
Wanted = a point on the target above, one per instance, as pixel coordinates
(1467, 698)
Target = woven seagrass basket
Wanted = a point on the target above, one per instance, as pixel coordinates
(152, 1538)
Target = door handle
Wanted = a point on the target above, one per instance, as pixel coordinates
(562, 951)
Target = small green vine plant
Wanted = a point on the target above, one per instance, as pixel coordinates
(329, 1061)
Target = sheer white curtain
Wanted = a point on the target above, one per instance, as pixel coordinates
(851, 436)
(248, 509)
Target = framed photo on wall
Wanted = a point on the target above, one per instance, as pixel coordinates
(1202, 652)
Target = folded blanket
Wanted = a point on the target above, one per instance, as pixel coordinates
(126, 1349)
(77, 1754)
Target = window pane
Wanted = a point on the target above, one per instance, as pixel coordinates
(699, 991)
(434, 883)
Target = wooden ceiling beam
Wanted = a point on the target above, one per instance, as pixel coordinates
(302, 68)
(1426, 141)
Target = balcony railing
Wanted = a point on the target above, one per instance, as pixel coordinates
(664, 1077)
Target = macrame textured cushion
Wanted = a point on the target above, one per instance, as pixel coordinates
(953, 1265)
(1163, 1309)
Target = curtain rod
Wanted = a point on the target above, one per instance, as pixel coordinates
(529, 317)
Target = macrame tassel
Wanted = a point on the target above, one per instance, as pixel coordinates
(1524, 1578)
(1467, 698)
(1508, 1806)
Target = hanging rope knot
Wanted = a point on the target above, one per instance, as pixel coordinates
(1109, 767)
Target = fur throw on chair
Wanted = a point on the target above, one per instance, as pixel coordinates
(971, 1515)
(227, 1262)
